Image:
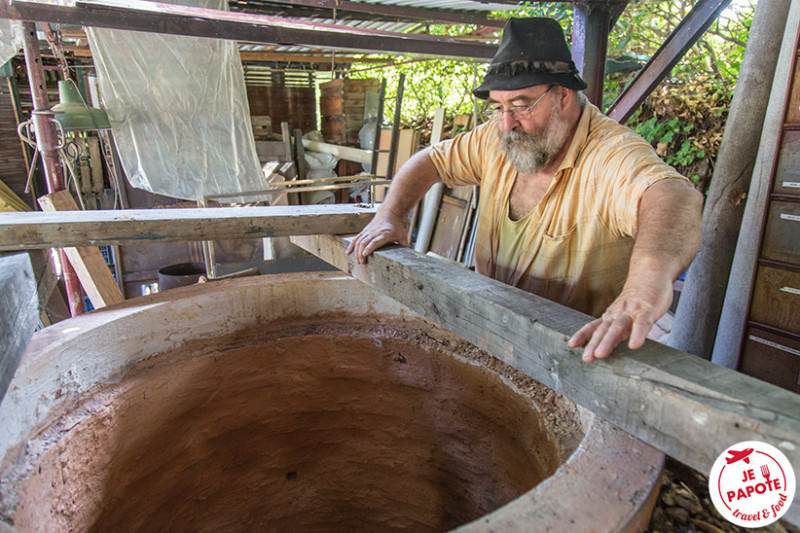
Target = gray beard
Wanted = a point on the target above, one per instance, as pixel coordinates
(530, 153)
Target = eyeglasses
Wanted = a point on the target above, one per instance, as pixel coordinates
(516, 112)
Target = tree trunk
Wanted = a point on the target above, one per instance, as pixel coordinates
(700, 305)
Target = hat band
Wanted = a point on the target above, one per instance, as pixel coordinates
(519, 67)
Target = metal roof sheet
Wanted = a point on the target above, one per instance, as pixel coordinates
(452, 5)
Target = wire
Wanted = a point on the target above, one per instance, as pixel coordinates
(73, 178)
(30, 171)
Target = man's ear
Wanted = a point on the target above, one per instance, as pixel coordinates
(564, 97)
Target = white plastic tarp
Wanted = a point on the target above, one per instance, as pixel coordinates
(10, 39)
(178, 110)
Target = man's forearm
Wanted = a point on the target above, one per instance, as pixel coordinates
(668, 233)
(410, 184)
(667, 238)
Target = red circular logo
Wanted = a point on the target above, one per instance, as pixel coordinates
(752, 484)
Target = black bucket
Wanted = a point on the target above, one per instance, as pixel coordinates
(180, 275)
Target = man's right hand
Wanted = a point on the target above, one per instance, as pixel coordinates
(383, 229)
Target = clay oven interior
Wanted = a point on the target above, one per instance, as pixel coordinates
(251, 407)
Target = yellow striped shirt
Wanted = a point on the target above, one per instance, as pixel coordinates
(575, 245)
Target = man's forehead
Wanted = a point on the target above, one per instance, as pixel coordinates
(528, 93)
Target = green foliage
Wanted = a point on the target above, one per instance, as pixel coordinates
(429, 84)
(683, 118)
(673, 140)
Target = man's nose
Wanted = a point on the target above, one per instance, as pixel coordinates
(507, 121)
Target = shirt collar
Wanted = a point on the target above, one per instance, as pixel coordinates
(578, 139)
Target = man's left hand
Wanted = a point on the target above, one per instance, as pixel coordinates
(631, 315)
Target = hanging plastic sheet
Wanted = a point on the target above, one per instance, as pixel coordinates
(10, 39)
(178, 110)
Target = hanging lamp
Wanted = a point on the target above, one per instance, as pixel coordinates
(74, 114)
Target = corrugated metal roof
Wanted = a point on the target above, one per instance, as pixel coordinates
(452, 5)
(351, 19)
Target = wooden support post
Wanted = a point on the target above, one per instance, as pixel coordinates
(376, 145)
(591, 24)
(88, 262)
(301, 154)
(698, 316)
(685, 406)
(30, 231)
(398, 104)
(19, 313)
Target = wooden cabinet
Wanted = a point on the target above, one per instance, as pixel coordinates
(770, 349)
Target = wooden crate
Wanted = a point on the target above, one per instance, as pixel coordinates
(262, 127)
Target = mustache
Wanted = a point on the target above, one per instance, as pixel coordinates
(516, 139)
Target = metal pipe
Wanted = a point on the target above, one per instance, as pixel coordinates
(430, 206)
(46, 143)
(46, 134)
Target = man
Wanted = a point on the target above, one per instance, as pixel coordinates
(574, 207)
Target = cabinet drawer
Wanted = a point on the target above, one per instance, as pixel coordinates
(772, 358)
(776, 299)
(793, 111)
(787, 171)
(782, 236)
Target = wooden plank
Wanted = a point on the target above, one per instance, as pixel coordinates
(19, 313)
(88, 262)
(28, 231)
(683, 405)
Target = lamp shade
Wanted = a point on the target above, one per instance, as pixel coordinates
(73, 113)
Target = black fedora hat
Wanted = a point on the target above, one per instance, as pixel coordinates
(533, 51)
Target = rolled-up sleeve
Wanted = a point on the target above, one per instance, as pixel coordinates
(461, 160)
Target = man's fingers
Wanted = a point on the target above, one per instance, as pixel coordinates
(583, 334)
(641, 327)
(603, 335)
(600, 330)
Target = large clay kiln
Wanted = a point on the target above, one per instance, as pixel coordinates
(303, 402)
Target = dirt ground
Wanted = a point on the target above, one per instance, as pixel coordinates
(684, 506)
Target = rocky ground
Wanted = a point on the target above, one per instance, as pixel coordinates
(684, 506)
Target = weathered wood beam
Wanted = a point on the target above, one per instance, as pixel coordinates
(154, 17)
(28, 231)
(88, 262)
(265, 55)
(685, 406)
(435, 16)
(19, 313)
(685, 35)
